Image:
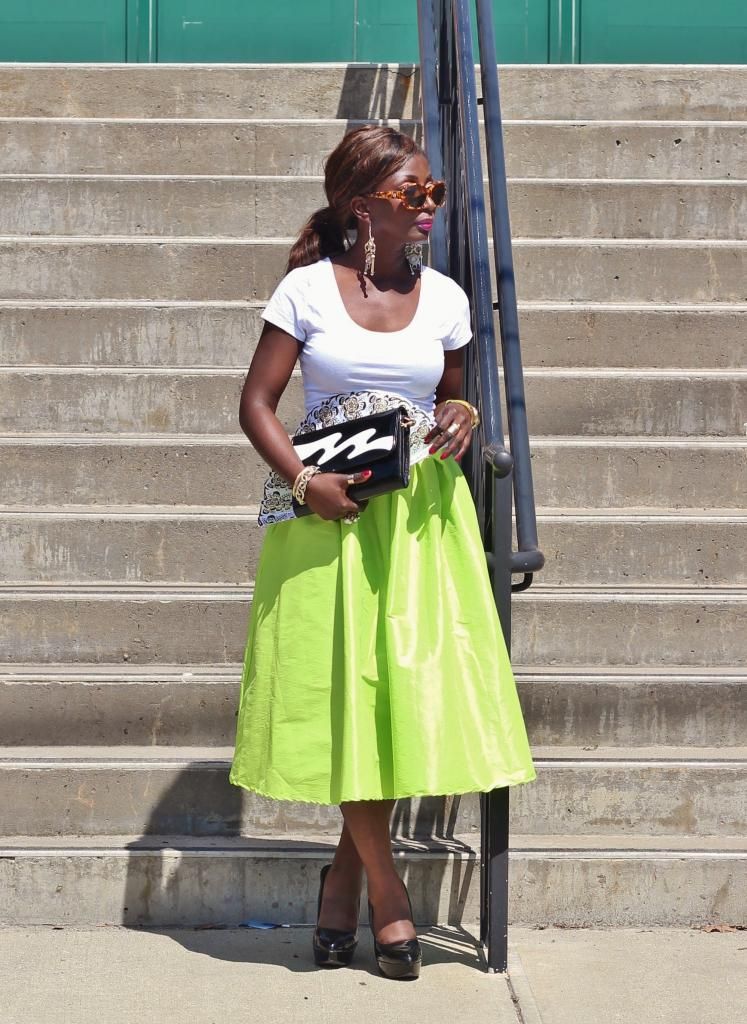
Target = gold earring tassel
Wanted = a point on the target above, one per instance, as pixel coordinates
(370, 251)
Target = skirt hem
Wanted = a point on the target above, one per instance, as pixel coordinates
(517, 779)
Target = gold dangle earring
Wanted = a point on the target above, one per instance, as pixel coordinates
(370, 251)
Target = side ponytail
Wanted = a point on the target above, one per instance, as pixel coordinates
(322, 235)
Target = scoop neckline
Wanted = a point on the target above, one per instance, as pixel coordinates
(367, 330)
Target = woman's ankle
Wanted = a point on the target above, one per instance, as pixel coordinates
(346, 875)
(341, 899)
(391, 918)
(384, 886)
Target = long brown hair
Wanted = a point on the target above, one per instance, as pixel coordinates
(355, 167)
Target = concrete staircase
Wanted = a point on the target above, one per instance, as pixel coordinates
(145, 214)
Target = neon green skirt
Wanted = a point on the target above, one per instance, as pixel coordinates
(375, 664)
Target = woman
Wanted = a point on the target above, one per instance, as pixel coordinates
(375, 665)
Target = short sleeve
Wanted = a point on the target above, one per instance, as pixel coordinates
(459, 324)
(286, 308)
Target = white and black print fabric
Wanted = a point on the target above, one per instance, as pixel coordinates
(277, 503)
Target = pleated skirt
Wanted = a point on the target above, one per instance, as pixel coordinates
(375, 663)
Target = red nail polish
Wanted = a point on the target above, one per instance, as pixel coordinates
(432, 449)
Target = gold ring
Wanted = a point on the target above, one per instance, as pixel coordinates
(351, 480)
(453, 428)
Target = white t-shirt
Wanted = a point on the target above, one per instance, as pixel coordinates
(339, 356)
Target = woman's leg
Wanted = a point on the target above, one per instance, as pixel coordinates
(368, 826)
(342, 888)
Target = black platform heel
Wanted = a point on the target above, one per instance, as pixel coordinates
(333, 947)
(399, 960)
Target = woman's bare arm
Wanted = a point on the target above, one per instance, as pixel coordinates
(267, 379)
(450, 386)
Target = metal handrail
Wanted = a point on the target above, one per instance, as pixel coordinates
(498, 478)
(528, 559)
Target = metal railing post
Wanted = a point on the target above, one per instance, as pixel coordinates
(452, 137)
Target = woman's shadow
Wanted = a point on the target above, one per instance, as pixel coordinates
(214, 857)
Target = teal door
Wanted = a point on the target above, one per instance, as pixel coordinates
(76, 31)
(662, 32)
(82, 30)
(245, 31)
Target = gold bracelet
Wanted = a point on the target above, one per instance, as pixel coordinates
(474, 414)
(298, 490)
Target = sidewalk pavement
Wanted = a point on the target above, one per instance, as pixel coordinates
(556, 976)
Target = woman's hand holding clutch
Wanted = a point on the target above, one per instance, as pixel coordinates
(327, 493)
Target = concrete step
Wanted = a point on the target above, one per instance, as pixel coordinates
(363, 90)
(684, 549)
(169, 545)
(637, 472)
(223, 334)
(241, 206)
(548, 270)
(574, 401)
(171, 624)
(172, 881)
(607, 402)
(130, 401)
(116, 705)
(534, 148)
(630, 335)
(195, 470)
(185, 791)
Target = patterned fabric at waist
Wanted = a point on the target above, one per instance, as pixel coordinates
(277, 502)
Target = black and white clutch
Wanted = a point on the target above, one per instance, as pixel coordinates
(351, 416)
(380, 442)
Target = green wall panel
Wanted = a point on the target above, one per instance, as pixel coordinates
(534, 31)
(271, 31)
(663, 31)
(387, 30)
(521, 31)
(386, 26)
(63, 30)
(564, 42)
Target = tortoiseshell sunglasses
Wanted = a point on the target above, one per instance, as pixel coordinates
(414, 197)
